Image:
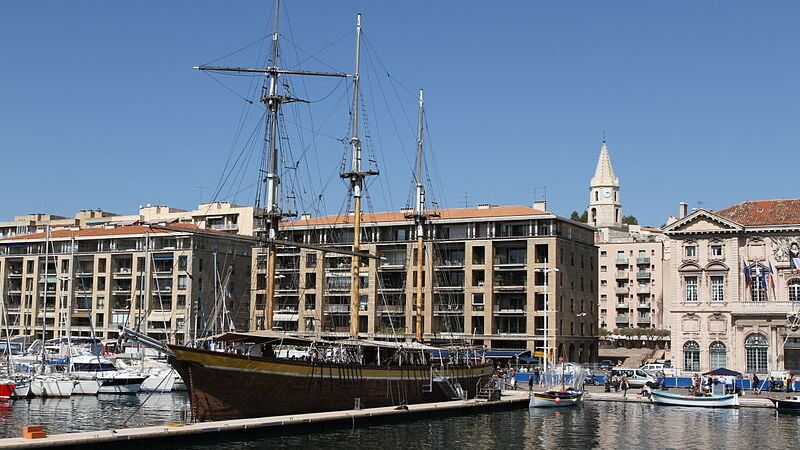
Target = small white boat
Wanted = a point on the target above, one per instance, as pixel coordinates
(22, 387)
(52, 386)
(706, 401)
(97, 375)
(556, 399)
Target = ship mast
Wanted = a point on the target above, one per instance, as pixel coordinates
(272, 214)
(356, 176)
(420, 217)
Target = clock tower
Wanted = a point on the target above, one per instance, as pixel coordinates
(605, 209)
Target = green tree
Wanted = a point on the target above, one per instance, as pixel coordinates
(630, 220)
(579, 217)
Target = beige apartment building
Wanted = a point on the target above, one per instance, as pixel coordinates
(170, 280)
(217, 216)
(733, 293)
(630, 257)
(492, 274)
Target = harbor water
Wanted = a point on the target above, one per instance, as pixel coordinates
(592, 425)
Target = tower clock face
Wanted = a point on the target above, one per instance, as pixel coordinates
(607, 192)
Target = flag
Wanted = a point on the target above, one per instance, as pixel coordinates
(762, 279)
(794, 257)
(746, 271)
(771, 275)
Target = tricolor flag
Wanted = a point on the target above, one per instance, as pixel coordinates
(746, 272)
(771, 275)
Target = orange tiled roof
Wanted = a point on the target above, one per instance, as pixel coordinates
(117, 231)
(399, 216)
(764, 212)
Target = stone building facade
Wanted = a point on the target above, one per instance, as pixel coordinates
(733, 292)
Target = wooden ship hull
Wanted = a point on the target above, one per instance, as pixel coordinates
(226, 386)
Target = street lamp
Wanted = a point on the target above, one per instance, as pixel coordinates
(546, 270)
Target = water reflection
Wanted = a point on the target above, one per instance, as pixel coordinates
(592, 425)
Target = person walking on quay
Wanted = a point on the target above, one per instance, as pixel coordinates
(625, 386)
(530, 382)
(756, 390)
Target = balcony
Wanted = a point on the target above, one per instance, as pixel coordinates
(337, 309)
(643, 318)
(642, 275)
(393, 260)
(447, 263)
(643, 290)
(779, 309)
(622, 260)
(510, 308)
(644, 305)
(622, 305)
(224, 226)
(448, 309)
(621, 290)
(643, 260)
(391, 309)
(122, 272)
(622, 318)
(621, 275)
(510, 260)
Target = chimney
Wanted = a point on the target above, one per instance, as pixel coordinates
(683, 210)
(541, 205)
(484, 205)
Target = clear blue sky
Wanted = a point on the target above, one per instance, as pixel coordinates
(700, 101)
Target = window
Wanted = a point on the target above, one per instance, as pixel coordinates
(758, 284)
(101, 265)
(716, 251)
(603, 253)
(691, 356)
(717, 290)
(691, 288)
(794, 290)
(311, 260)
(756, 353)
(478, 255)
(182, 262)
(182, 282)
(718, 354)
(690, 251)
(477, 302)
(603, 268)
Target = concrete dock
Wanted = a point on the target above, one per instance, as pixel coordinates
(258, 427)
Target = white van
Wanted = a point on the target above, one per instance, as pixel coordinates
(636, 377)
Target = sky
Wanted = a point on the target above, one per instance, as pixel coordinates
(699, 101)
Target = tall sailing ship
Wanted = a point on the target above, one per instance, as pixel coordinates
(249, 378)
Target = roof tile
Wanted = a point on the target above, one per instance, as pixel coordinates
(764, 212)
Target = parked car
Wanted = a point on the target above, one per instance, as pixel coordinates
(605, 365)
(659, 370)
(636, 377)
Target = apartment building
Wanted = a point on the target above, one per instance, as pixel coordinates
(217, 216)
(493, 275)
(630, 257)
(170, 281)
(733, 293)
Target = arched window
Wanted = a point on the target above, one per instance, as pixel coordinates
(794, 290)
(756, 353)
(719, 355)
(596, 195)
(691, 356)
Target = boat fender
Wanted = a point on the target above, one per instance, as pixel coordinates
(558, 399)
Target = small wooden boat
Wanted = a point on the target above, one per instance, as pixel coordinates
(787, 404)
(553, 399)
(706, 401)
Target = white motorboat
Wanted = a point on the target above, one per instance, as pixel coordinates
(706, 401)
(98, 375)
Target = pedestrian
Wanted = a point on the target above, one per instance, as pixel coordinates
(530, 382)
(625, 386)
(755, 386)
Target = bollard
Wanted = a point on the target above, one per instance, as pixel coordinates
(33, 432)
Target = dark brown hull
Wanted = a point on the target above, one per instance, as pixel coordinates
(224, 386)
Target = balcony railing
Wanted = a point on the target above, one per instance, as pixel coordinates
(643, 260)
(510, 308)
(622, 318)
(621, 290)
(456, 308)
(643, 319)
(622, 275)
(503, 260)
(337, 309)
(643, 290)
(642, 275)
(622, 260)
(391, 308)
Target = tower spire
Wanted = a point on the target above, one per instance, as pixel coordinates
(605, 208)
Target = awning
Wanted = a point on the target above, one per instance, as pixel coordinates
(505, 353)
(259, 337)
(285, 317)
(723, 372)
(160, 316)
(163, 257)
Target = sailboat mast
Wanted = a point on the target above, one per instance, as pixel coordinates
(357, 184)
(273, 214)
(44, 297)
(420, 219)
